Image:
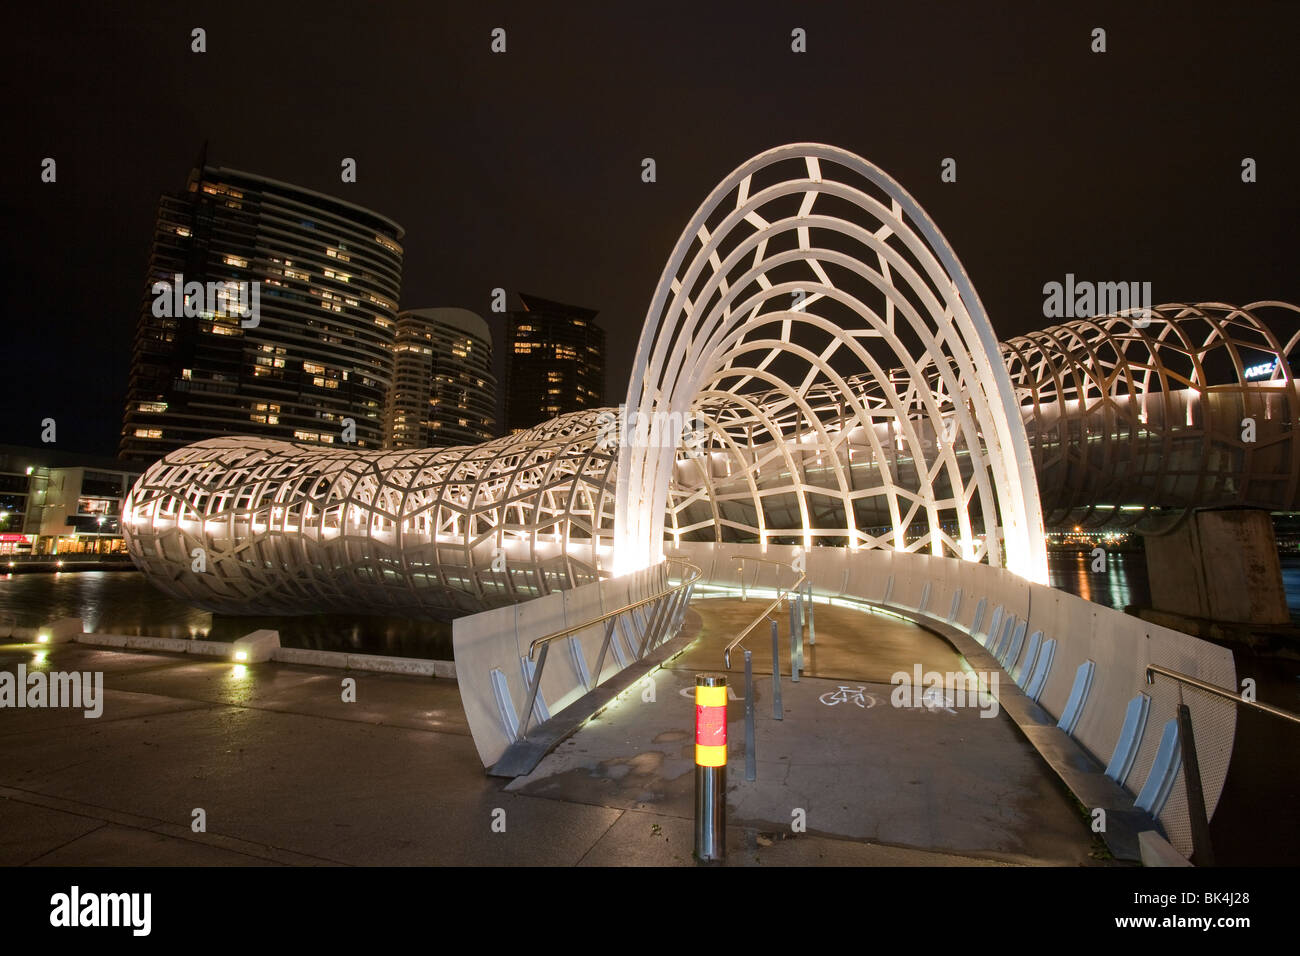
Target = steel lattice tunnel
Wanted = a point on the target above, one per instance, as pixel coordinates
(815, 368)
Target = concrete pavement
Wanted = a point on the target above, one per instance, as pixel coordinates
(287, 773)
(843, 761)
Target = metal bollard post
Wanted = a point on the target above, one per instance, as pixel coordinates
(710, 768)
(778, 712)
(812, 627)
(795, 663)
(798, 615)
(1202, 846)
(751, 765)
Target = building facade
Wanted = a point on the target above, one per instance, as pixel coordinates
(55, 502)
(555, 362)
(444, 392)
(269, 310)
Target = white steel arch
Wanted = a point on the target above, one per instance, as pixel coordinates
(810, 243)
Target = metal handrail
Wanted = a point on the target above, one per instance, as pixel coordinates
(546, 639)
(1220, 692)
(780, 596)
(658, 620)
(749, 557)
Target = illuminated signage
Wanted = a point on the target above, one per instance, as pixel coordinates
(1262, 370)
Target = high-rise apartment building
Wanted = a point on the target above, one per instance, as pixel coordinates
(444, 392)
(555, 362)
(269, 310)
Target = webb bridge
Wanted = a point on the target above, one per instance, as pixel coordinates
(856, 435)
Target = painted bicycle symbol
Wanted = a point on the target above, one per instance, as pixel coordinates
(845, 695)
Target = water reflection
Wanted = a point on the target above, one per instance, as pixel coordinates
(1121, 583)
(1291, 581)
(124, 602)
(1124, 580)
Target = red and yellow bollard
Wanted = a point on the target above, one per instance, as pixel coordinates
(710, 768)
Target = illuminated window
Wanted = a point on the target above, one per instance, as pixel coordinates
(153, 407)
(148, 433)
(309, 367)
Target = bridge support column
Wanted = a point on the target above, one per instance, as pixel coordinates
(1217, 567)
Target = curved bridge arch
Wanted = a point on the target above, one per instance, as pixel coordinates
(709, 309)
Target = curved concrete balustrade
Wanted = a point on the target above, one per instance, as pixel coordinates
(1067, 636)
(493, 667)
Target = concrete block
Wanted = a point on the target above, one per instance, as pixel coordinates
(62, 631)
(313, 658)
(171, 645)
(390, 665)
(208, 649)
(1157, 851)
(255, 648)
(104, 640)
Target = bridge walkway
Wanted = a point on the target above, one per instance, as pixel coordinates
(843, 760)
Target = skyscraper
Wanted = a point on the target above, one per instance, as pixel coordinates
(555, 362)
(444, 392)
(269, 310)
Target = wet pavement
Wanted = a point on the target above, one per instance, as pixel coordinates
(286, 772)
(844, 762)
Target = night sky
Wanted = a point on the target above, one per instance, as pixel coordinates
(522, 170)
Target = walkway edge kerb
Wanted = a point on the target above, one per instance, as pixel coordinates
(374, 663)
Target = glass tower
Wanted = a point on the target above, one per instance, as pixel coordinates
(269, 310)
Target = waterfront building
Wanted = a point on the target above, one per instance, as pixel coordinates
(54, 502)
(268, 310)
(444, 392)
(555, 362)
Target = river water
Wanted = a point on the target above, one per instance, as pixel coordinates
(123, 602)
